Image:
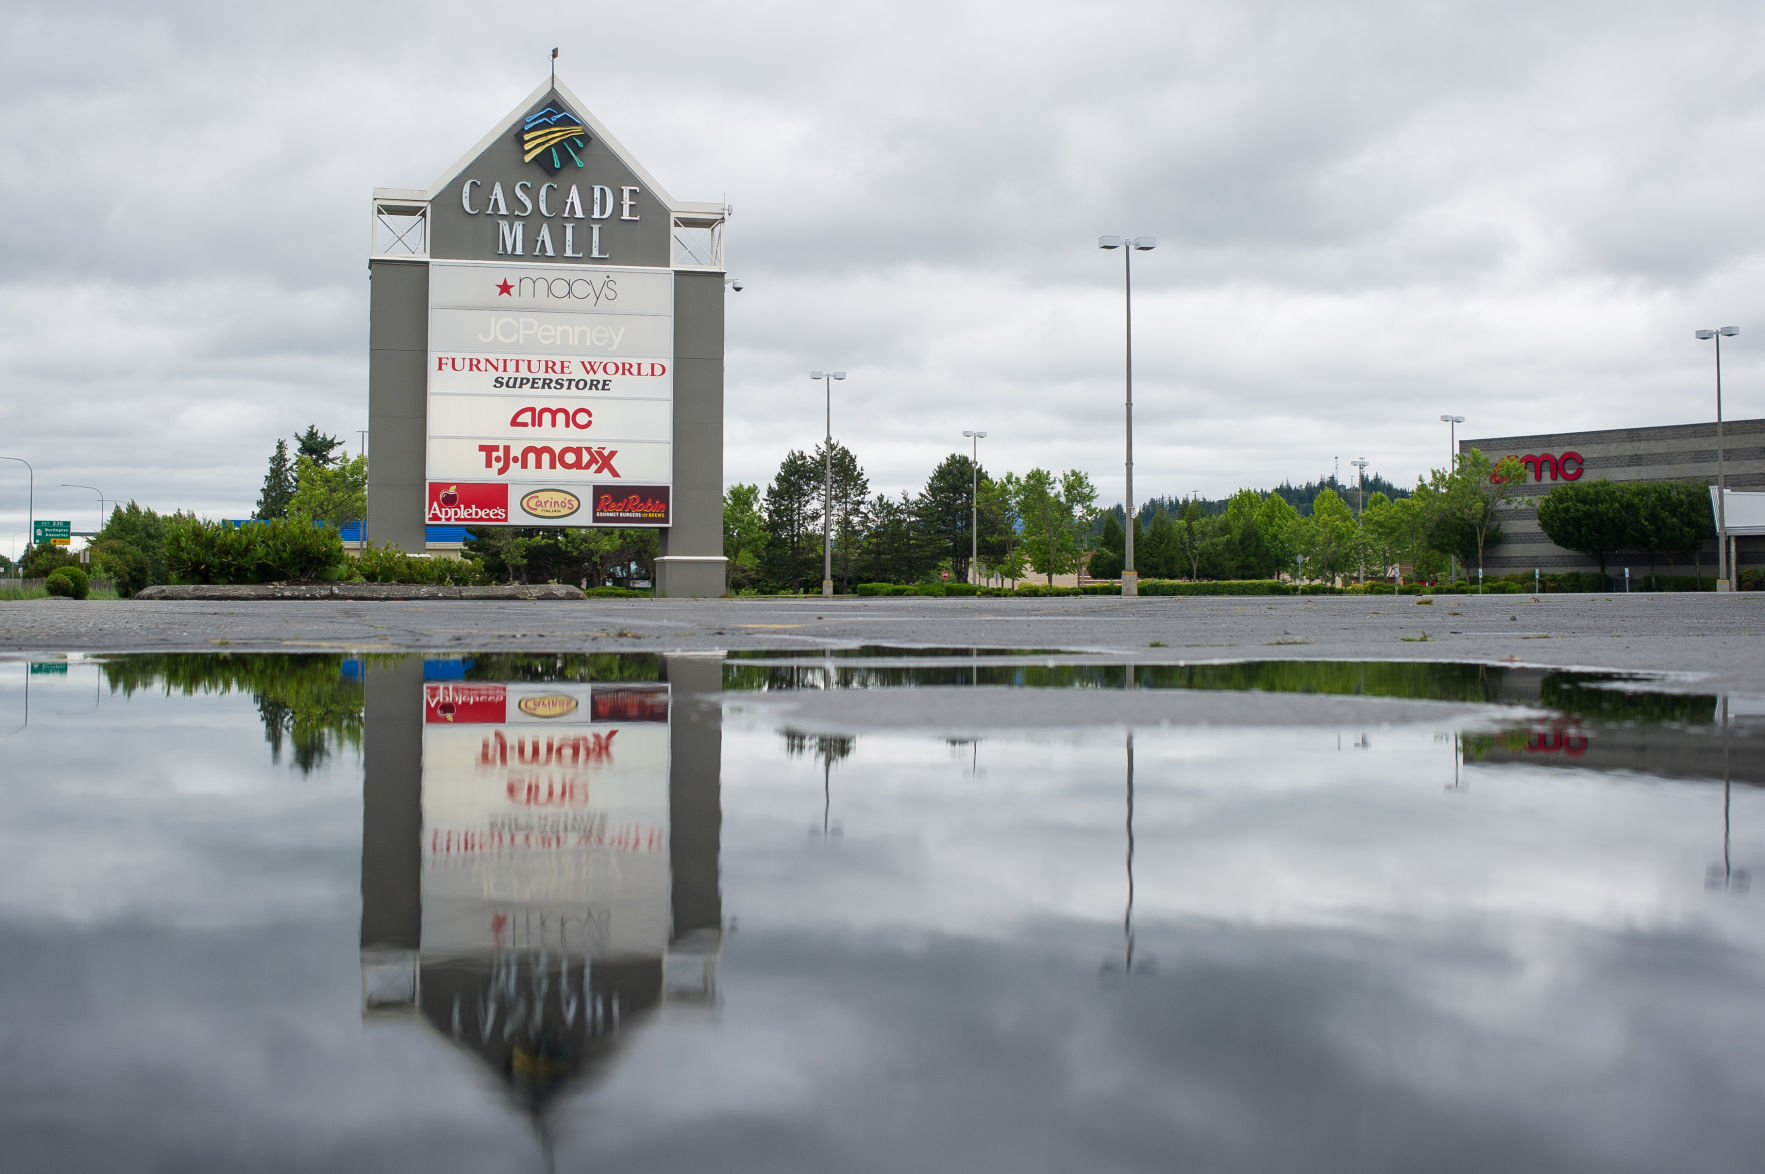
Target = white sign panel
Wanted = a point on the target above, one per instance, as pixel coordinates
(560, 832)
(549, 388)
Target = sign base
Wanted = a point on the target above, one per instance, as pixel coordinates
(1130, 584)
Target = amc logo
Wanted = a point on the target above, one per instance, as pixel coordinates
(1566, 467)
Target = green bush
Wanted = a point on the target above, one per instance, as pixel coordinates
(262, 552)
(39, 561)
(68, 582)
(386, 564)
(961, 589)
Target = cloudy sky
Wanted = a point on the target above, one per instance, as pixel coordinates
(1368, 214)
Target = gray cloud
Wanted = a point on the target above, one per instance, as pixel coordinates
(1368, 214)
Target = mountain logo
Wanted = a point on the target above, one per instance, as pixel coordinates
(546, 133)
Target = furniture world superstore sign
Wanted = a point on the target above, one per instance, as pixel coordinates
(550, 395)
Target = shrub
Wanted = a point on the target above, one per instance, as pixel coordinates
(68, 582)
(387, 564)
(262, 552)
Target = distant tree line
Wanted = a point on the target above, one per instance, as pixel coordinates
(1046, 524)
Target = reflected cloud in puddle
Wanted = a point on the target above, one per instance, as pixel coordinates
(493, 912)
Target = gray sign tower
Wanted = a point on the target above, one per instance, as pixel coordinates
(546, 348)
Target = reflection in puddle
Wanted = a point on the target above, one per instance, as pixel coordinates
(630, 910)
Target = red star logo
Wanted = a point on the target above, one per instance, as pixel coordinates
(504, 288)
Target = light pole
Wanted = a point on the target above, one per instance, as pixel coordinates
(94, 489)
(1360, 484)
(1129, 246)
(1452, 440)
(974, 505)
(827, 378)
(1722, 559)
(31, 499)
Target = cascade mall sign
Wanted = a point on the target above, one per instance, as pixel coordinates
(548, 323)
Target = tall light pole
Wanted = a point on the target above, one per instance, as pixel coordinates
(94, 489)
(974, 505)
(1129, 246)
(1360, 483)
(1722, 560)
(827, 378)
(31, 499)
(1452, 440)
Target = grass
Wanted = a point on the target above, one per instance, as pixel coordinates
(1425, 601)
(1422, 639)
(1156, 644)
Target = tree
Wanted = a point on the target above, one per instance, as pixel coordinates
(850, 490)
(1109, 558)
(278, 488)
(316, 447)
(131, 548)
(1329, 539)
(1000, 525)
(945, 509)
(1157, 555)
(793, 516)
(893, 548)
(1055, 516)
(1589, 517)
(1277, 527)
(1674, 518)
(1465, 506)
(744, 533)
(1194, 530)
(336, 495)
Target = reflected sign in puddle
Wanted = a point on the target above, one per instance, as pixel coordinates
(661, 912)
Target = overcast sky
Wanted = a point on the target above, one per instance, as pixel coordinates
(1367, 214)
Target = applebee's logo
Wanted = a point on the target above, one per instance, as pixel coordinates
(452, 502)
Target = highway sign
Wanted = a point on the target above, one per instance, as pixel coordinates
(57, 532)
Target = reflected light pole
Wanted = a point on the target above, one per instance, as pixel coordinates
(974, 506)
(1725, 876)
(827, 378)
(1452, 439)
(1129, 246)
(31, 498)
(1722, 560)
(1360, 469)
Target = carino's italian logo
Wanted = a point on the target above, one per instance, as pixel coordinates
(549, 705)
(551, 503)
(547, 132)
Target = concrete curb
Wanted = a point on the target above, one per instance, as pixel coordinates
(358, 592)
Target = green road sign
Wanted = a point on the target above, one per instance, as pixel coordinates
(50, 666)
(42, 531)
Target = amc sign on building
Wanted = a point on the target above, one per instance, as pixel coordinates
(546, 348)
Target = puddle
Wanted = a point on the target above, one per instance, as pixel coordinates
(504, 911)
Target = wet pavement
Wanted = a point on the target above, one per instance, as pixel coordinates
(878, 908)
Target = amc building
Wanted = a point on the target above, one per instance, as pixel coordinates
(1676, 452)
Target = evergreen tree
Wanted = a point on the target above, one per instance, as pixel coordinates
(793, 519)
(946, 510)
(278, 487)
(316, 447)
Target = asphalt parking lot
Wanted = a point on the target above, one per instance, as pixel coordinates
(1710, 640)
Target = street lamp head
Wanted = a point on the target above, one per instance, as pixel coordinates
(1730, 331)
(976, 435)
(1451, 419)
(1706, 335)
(839, 374)
(823, 375)
(1145, 244)
(1110, 242)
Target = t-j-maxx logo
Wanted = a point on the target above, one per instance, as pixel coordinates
(550, 137)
